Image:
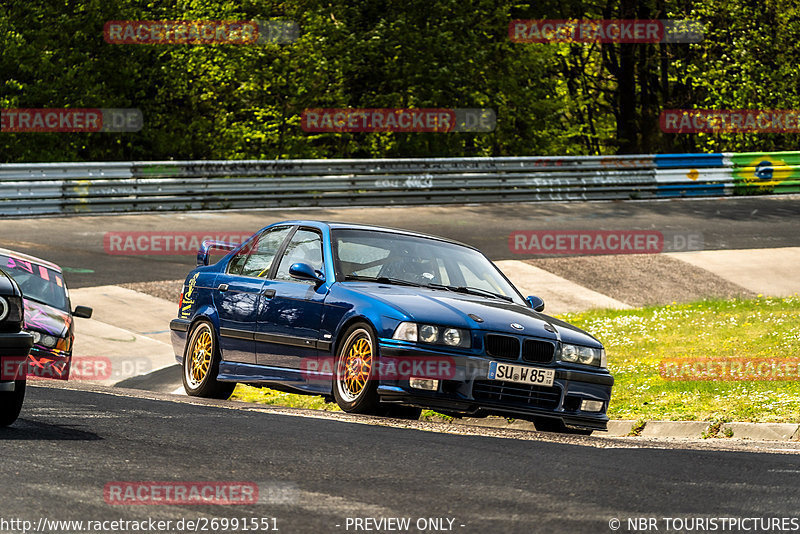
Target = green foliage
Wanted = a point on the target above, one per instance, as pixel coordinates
(235, 102)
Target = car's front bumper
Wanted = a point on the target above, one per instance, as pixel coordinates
(466, 389)
(49, 363)
(15, 343)
(14, 349)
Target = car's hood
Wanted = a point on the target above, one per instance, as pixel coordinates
(46, 319)
(454, 309)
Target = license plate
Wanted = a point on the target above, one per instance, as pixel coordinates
(522, 374)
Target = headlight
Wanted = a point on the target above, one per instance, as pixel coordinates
(49, 341)
(11, 309)
(46, 340)
(569, 353)
(452, 337)
(406, 332)
(584, 355)
(428, 333)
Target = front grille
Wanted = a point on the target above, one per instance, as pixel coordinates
(505, 347)
(536, 351)
(516, 394)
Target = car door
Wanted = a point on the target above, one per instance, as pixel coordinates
(237, 295)
(288, 330)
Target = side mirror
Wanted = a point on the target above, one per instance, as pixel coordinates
(303, 271)
(204, 252)
(536, 303)
(84, 312)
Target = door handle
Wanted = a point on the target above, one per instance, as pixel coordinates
(222, 287)
(268, 293)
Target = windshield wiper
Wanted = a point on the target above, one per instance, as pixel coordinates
(457, 289)
(382, 280)
(472, 291)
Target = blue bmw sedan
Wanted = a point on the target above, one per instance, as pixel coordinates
(384, 321)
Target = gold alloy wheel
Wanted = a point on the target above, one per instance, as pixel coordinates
(199, 361)
(355, 366)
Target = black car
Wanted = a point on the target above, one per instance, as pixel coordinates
(15, 344)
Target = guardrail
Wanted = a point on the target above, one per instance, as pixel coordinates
(75, 188)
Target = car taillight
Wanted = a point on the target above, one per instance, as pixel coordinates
(180, 302)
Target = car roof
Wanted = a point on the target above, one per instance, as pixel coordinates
(29, 258)
(335, 225)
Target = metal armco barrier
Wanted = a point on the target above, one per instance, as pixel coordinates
(75, 188)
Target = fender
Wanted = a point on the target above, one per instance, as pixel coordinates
(208, 312)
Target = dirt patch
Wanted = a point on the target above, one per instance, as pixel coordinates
(166, 289)
(642, 279)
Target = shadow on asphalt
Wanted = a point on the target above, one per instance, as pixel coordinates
(29, 430)
(164, 380)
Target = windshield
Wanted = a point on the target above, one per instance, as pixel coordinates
(407, 260)
(37, 282)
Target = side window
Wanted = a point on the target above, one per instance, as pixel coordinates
(305, 247)
(237, 262)
(262, 252)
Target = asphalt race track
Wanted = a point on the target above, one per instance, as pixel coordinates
(331, 472)
(316, 472)
(723, 223)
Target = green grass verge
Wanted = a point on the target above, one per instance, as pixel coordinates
(279, 398)
(638, 340)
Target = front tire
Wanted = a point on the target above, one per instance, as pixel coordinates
(201, 365)
(355, 384)
(11, 403)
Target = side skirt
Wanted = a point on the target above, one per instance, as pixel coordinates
(313, 382)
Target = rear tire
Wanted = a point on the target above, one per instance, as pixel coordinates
(355, 383)
(11, 403)
(201, 359)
